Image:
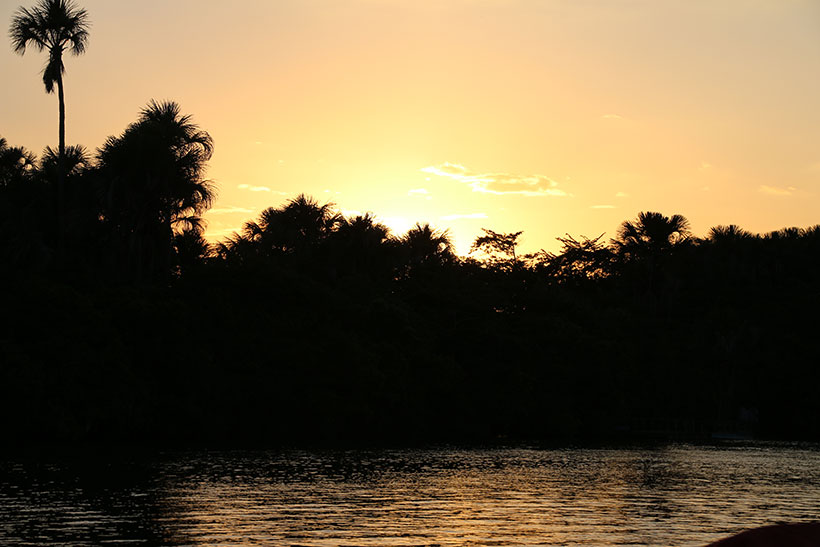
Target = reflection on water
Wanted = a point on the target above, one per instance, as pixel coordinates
(679, 495)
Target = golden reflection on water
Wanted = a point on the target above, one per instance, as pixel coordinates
(674, 496)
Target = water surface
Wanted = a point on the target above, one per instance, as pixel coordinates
(669, 496)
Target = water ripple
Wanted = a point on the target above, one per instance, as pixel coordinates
(672, 496)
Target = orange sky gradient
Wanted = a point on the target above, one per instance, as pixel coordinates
(547, 116)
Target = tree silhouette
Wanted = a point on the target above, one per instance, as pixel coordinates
(304, 223)
(26, 216)
(191, 250)
(153, 183)
(54, 26)
(361, 246)
(298, 226)
(651, 234)
(645, 246)
(16, 163)
(728, 234)
(492, 243)
(425, 245)
(578, 261)
(75, 160)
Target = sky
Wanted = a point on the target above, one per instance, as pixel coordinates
(549, 116)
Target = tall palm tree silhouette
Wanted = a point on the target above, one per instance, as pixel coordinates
(154, 186)
(55, 26)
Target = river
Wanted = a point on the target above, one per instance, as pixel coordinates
(677, 495)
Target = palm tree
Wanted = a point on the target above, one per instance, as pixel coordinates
(651, 234)
(728, 234)
(191, 249)
(645, 248)
(16, 163)
(75, 160)
(156, 167)
(425, 245)
(153, 183)
(23, 242)
(363, 231)
(55, 26)
(306, 222)
(361, 246)
(298, 226)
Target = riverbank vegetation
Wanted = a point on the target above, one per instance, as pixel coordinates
(122, 323)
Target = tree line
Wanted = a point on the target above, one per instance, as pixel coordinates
(121, 322)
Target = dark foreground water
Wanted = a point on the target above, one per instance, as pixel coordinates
(678, 495)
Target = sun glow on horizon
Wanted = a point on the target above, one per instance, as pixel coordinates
(552, 117)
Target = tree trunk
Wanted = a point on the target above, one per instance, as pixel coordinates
(61, 98)
(61, 176)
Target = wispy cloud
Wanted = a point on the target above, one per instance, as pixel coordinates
(612, 117)
(467, 216)
(229, 210)
(254, 188)
(621, 195)
(602, 207)
(498, 183)
(776, 191)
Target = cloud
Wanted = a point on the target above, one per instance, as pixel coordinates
(420, 193)
(498, 184)
(254, 188)
(459, 217)
(229, 210)
(250, 188)
(612, 117)
(621, 195)
(602, 207)
(776, 191)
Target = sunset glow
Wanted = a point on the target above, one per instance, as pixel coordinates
(550, 116)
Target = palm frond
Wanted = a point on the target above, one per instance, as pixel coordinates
(27, 28)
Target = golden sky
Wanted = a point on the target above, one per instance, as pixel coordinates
(547, 116)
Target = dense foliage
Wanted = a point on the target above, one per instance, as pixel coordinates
(121, 322)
